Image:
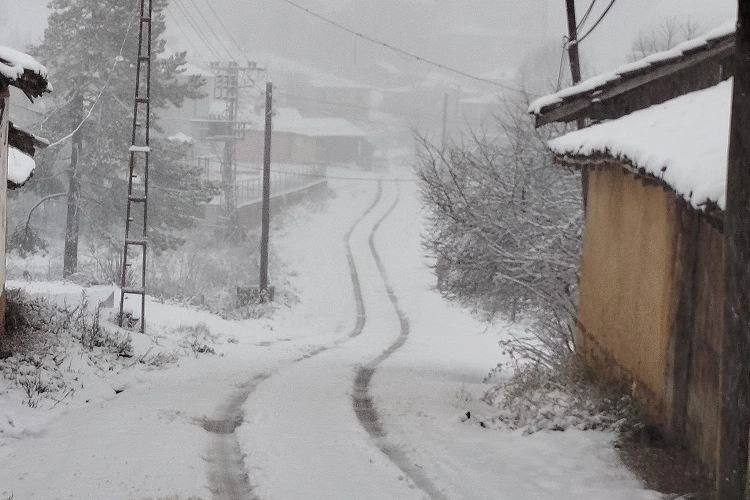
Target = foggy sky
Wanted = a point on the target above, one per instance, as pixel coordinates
(421, 26)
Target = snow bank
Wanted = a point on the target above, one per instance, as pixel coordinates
(683, 142)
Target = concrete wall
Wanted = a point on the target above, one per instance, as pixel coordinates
(626, 279)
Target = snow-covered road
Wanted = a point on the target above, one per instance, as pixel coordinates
(275, 417)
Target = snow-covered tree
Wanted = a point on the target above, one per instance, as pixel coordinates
(90, 49)
(505, 227)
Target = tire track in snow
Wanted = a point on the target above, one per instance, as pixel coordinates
(227, 476)
(364, 406)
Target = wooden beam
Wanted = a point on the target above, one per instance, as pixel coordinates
(577, 106)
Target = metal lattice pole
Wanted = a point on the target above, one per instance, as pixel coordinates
(137, 201)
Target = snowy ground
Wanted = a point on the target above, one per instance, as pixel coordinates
(291, 380)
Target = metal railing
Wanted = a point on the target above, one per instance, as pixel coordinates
(285, 178)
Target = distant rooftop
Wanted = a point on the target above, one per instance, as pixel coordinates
(290, 120)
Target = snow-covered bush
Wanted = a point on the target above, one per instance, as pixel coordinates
(505, 228)
(537, 398)
(42, 340)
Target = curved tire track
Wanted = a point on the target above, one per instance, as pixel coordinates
(228, 479)
(364, 406)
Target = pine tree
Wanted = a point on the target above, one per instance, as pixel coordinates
(89, 48)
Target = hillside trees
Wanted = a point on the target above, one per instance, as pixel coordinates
(505, 227)
(89, 48)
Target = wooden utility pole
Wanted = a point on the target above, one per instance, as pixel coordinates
(73, 216)
(266, 215)
(444, 129)
(573, 54)
(731, 477)
(575, 73)
(575, 62)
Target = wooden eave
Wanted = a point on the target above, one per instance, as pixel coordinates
(30, 83)
(709, 210)
(25, 141)
(599, 102)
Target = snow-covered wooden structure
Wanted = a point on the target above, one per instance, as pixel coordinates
(654, 165)
(18, 146)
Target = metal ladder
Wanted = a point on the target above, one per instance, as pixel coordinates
(137, 211)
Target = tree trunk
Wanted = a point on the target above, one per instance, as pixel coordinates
(72, 221)
(735, 353)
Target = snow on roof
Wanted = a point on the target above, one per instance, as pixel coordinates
(182, 137)
(289, 120)
(683, 142)
(326, 80)
(537, 106)
(20, 167)
(13, 65)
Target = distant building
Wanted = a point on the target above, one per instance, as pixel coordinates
(308, 141)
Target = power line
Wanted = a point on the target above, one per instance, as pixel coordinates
(400, 50)
(188, 39)
(584, 36)
(226, 30)
(585, 16)
(211, 29)
(189, 18)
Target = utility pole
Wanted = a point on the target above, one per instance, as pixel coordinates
(73, 215)
(444, 129)
(573, 54)
(266, 215)
(140, 151)
(731, 476)
(230, 78)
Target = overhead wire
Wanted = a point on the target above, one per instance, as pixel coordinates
(585, 16)
(562, 63)
(193, 24)
(401, 51)
(211, 29)
(188, 39)
(601, 17)
(226, 30)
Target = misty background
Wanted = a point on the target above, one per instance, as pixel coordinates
(481, 37)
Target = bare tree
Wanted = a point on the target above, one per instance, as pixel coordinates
(669, 34)
(505, 228)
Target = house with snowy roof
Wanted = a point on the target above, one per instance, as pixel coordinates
(304, 140)
(654, 163)
(18, 146)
